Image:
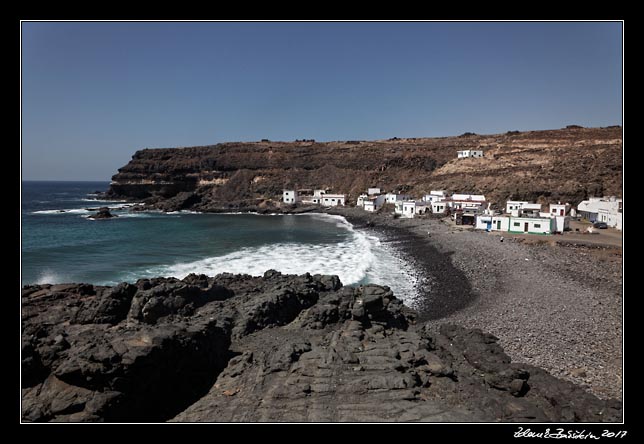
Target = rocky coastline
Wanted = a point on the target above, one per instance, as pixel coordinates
(555, 306)
(273, 348)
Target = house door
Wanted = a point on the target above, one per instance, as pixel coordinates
(498, 224)
(489, 225)
(525, 227)
(561, 212)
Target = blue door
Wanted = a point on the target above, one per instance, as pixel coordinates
(489, 225)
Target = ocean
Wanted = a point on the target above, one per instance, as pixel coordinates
(60, 244)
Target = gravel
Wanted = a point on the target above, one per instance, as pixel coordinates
(552, 306)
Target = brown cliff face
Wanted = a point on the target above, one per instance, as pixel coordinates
(568, 165)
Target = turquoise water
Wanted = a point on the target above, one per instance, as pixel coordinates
(65, 246)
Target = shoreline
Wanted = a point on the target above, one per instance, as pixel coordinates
(548, 305)
(555, 306)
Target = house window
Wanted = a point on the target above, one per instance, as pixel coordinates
(332, 200)
(516, 224)
(537, 225)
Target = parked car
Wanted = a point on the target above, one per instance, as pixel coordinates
(600, 225)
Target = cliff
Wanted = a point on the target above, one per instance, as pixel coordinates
(568, 164)
(271, 348)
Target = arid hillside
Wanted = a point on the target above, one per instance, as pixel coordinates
(567, 164)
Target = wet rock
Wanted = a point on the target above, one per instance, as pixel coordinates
(102, 213)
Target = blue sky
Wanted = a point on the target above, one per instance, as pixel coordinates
(93, 93)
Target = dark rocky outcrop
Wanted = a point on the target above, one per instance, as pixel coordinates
(102, 213)
(271, 348)
(251, 176)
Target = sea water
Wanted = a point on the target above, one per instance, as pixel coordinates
(61, 244)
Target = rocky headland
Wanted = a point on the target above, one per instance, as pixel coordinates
(271, 348)
(569, 164)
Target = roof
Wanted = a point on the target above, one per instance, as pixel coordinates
(593, 206)
(466, 197)
(326, 196)
(520, 218)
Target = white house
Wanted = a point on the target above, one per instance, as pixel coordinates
(472, 197)
(532, 225)
(411, 208)
(492, 223)
(607, 210)
(512, 205)
(462, 204)
(372, 191)
(469, 153)
(615, 220)
(559, 209)
(531, 209)
(561, 223)
(333, 200)
(461, 201)
(361, 200)
(525, 209)
(290, 196)
(393, 197)
(435, 196)
(439, 207)
(374, 203)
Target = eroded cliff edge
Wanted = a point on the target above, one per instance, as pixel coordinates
(568, 165)
(271, 348)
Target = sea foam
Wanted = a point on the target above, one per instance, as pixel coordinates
(361, 259)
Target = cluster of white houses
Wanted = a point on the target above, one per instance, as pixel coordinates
(473, 209)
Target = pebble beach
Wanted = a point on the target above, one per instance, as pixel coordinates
(556, 307)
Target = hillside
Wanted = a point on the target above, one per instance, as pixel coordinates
(568, 164)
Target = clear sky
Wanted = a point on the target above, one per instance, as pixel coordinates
(93, 93)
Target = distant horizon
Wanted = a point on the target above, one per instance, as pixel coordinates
(92, 93)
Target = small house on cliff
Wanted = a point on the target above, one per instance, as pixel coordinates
(463, 154)
(290, 196)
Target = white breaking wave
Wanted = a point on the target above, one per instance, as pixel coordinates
(183, 212)
(48, 277)
(361, 259)
(123, 202)
(64, 211)
(83, 210)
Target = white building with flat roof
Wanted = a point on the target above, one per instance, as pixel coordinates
(290, 196)
(374, 203)
(512, 205)
(607, 209)
(393, 197)
(492, 223)
(472, 197)
(439, 207)
(333, 200)
(435, 196)
(463, 154)
(532, 225)
(412, 208)
(559, 209)
(372, 191)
